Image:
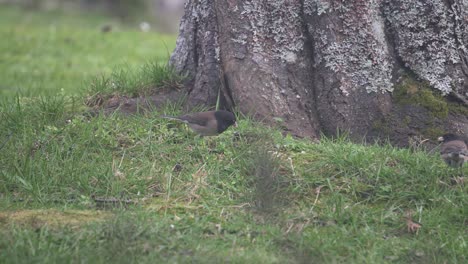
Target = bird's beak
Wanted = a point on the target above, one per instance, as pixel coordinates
(440, 139)
(235, 124)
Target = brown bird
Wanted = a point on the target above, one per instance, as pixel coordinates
(211, 123)
(454, 150)
(106, 28)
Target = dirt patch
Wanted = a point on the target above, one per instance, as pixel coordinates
(51, 217)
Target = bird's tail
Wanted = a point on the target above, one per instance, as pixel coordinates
(173, 118)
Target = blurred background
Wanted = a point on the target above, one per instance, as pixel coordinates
(163, 15)
(63, 46)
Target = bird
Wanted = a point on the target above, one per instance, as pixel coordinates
(106, 28)
(210, 123)
(454, 150)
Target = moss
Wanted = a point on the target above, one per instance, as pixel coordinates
(434, 103)
(407, 120)
(382, 126)
(433, 132)
(458, 109)
(412, 92)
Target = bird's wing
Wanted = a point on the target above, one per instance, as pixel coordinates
(455, 146)
(200, 119)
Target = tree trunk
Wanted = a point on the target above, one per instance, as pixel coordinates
(325, 66)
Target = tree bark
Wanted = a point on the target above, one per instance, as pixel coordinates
(321, 66)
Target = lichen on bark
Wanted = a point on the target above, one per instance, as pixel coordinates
(353, 45)
(197, 52)
(276, 28)
(430, 37)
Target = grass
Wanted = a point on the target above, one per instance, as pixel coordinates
(136, 81)
(255, 196)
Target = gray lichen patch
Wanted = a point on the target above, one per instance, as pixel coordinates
(430, 38)
(275, 28)
(202, 10)
(180, 58)
(196, 29)
(350, 41)
(316, 7)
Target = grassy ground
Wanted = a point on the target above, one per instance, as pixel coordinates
(143, 189)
